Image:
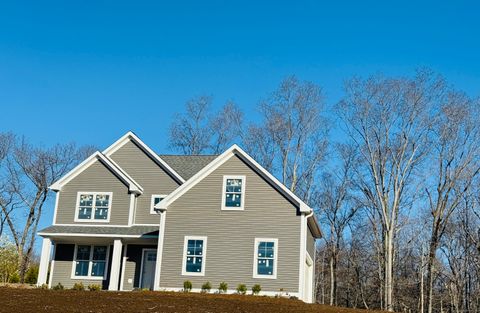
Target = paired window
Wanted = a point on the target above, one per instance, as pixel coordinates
(194, 255)
(265, 259)
(155, 200)
(90, 262)
(233, 193)
(93, 206)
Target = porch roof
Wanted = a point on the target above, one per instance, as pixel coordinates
(136, 231)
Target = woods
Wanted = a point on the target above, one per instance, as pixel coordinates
(392, 172)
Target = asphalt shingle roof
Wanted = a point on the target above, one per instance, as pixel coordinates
(187, 165)
(141, 231)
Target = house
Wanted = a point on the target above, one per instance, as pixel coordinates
(127, 218)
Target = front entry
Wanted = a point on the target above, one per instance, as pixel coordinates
(147, 273)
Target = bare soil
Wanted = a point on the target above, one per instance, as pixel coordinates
(68, 301)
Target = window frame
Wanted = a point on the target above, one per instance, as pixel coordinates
(224, 192)
(90, 263)
(92, 219)
(204, 256)
(152, 203)
(255, 258)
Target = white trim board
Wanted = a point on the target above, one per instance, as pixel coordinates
(134, 138)
(243, 178)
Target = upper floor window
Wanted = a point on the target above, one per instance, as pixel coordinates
(233, 193)
(90, 262)
(155, 200)
(93, 206)
(265, 259)
(194, 255)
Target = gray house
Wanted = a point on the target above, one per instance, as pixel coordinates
(127, 218)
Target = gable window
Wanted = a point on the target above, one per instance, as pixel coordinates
(156, 200)
(233, 197)
(194, 255)
(93, 206)
(90, 262)
(265, 258)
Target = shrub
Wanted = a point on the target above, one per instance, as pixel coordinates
(222, 288)
(256, 289)
(187, 286)
(14, 278)
(31, 275)
(43, 287)
(94, 287)
(206, 287)
(59, 286)
(78, 286)
(242, 289)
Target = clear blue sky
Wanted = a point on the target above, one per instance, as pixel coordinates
(89, 71)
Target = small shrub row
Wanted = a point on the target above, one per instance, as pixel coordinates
(222, 288)
(76, 286)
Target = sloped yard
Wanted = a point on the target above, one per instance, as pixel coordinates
(66, 301)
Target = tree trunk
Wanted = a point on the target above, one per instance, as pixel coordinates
(430, 265)
(389, 270)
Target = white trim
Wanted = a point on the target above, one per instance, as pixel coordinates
(124, 260)
(92, 217)
(308, 259)
(44, 261)
(242, 194)
(152, 203)
(90, 277)
(131, 209)
(221, 159)
(115, 267)
(97, 156)
(204, 256)
(57, 197)
(88, 235)
(52, 266)
(158, 264)
(303, 245)
(140, 282)
(131, 136)
(275, 258)
(109, 225)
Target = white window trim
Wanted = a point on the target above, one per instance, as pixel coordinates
(255, 258)
(224, 192)
(92, 219)
(152, 203)
(90, 261)
(184, 261)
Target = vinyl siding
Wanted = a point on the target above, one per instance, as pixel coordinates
(97, 177)
(133, 265)
(62, 270)
(231, 234)
(310, 244)
(148, 174)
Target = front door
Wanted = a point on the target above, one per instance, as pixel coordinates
(147, 277)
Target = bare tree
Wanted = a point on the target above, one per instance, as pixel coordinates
(226, 127)
(455, 160)
(6, 140)
(387, 120)
(28, 173)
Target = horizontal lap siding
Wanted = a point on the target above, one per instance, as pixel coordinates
(62, 269)
(148, 174)
(98, 178)
(231, 234)
(310, 244)
(133, 265)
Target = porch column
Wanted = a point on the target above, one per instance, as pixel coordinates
(115, 269)
(44, 261)
(158, 263)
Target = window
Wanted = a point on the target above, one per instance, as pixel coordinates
(233, 193)
(194, 255)
(90, 262)
(265, 258)
(155, 200)
(93, 207)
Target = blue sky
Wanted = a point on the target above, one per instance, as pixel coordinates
(88, 71)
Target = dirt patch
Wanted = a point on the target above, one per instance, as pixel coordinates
(69, 301)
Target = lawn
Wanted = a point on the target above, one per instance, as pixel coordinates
(36, 300)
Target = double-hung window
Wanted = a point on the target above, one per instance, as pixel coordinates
(233, 193)
(90, 262)
(265, 258)
(194, 256)
(155, 200)
(93, 206)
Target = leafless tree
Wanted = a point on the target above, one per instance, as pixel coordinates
(6, 140)
(28, 172)
(387, 119)
(226, 127)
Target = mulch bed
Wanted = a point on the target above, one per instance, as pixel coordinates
(70, 301)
